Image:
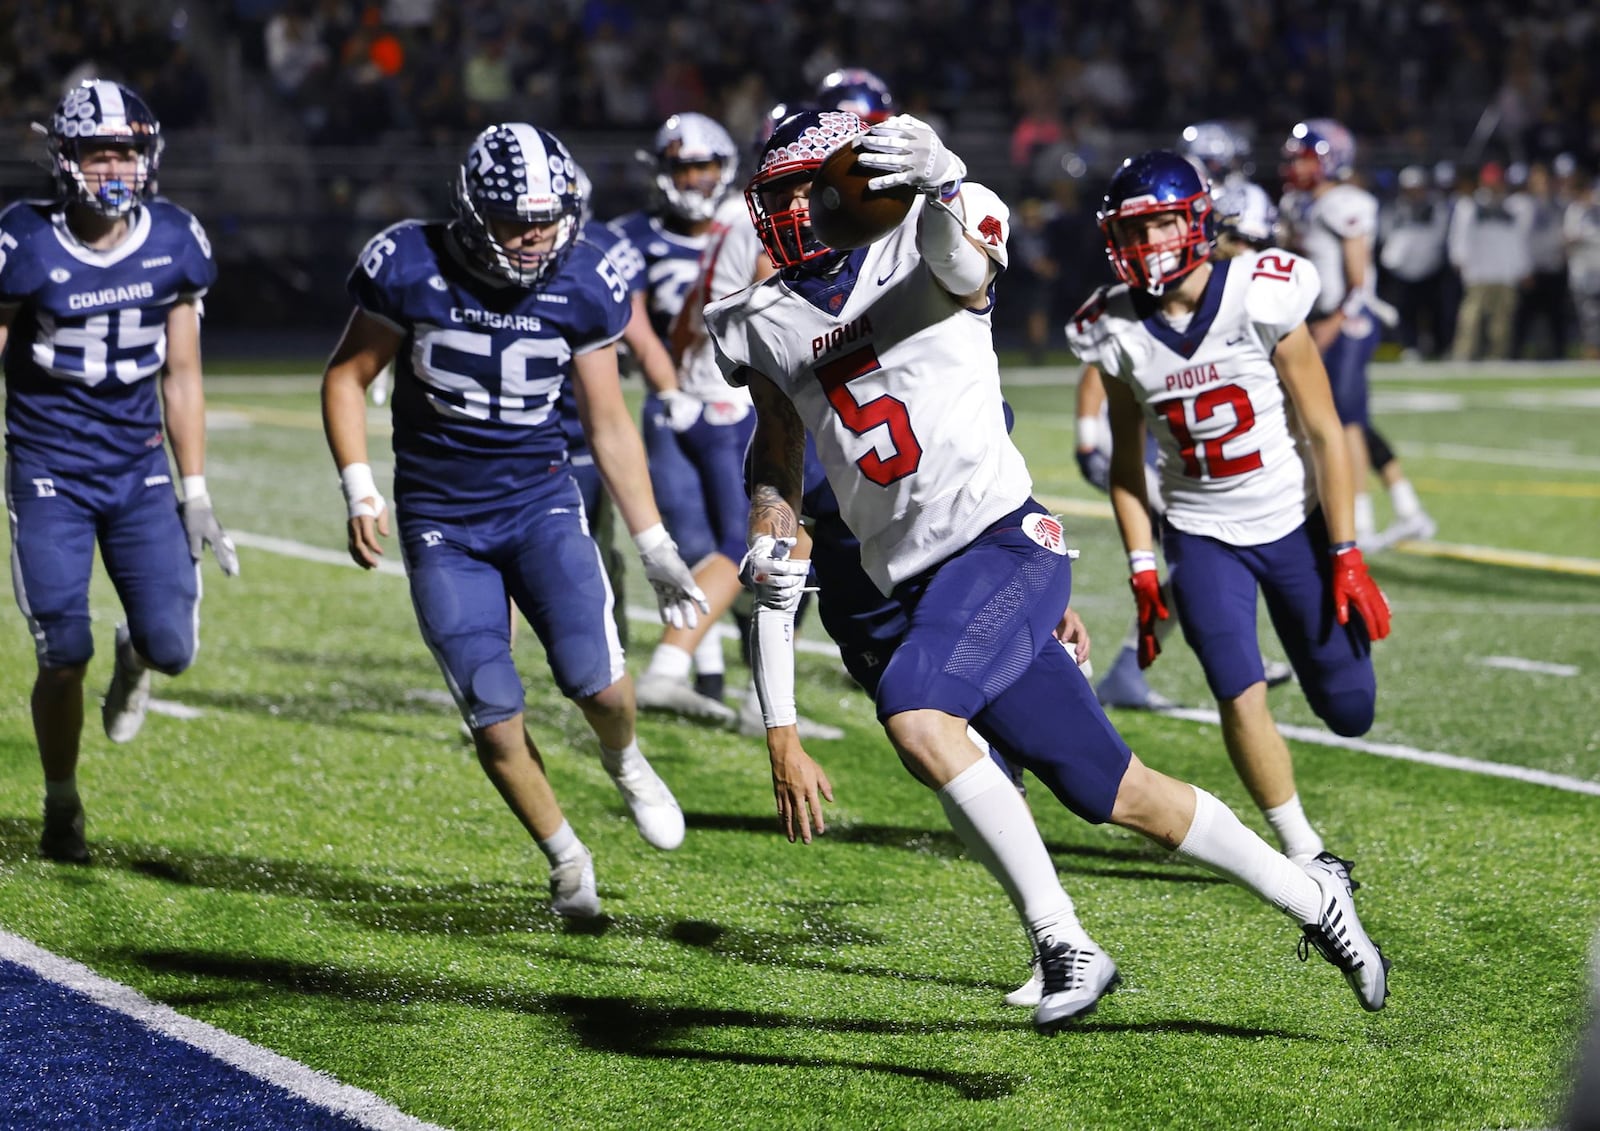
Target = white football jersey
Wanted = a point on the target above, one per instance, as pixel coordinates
(727, 266)
(900, 387)
(1320, 227)
(1232, 465)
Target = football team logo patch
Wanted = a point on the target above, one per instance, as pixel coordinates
(1045, 529)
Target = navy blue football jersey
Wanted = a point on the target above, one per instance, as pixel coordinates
(90, 330)
(671, 264)
(477, 380)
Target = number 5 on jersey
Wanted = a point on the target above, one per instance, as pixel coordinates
(881, 411)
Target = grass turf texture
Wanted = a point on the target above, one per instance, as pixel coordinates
(318, 865)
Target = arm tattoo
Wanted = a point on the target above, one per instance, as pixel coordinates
(778, 463)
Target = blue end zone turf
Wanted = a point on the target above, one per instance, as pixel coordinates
(71, 1062)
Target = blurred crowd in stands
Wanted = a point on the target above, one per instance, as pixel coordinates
(1479, 120)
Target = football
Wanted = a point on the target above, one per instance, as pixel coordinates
(845, 213)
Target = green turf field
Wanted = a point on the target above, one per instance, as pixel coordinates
(316, 863)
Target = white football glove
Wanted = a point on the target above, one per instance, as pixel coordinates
(680, 599)
(909, 153)
(680, 409)
(203, 529)
(776, 579)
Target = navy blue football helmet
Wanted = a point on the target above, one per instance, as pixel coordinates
(857, 90)
(519, 174)
(1221, 147)
(795, 151)
(98, 111)
(1156, 182)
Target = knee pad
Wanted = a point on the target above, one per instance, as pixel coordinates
(492, 693)
(64, 643)
(1348, 713)
(168, 648)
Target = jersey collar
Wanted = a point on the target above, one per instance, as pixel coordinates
(138, 232)
(1185, 342)
(828, 290)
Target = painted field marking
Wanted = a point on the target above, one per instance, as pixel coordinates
(362, 1107)
(1407, 753)
(1538, 667)
(292, 549)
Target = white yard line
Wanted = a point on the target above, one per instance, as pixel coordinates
(1408, 754)
(1536, 667)
(1312, 735)
(315, 1087)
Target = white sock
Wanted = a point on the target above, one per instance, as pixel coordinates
(1403, 497)
(708, 653)
(1220, 841)
(994, 823)
(615, 761)
(61, 791)
(1366, 524)
(1299, 840)
(670, 661)
(561, 845)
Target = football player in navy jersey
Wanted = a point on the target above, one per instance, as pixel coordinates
(695, 437)
(486, 318)
(100, 294)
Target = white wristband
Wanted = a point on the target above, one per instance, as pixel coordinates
(358, 485)
(1141, 561)
(772, 664)
(194, 487)
(651, 538)
(1088, 433)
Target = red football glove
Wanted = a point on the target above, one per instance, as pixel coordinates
(1353, 587)
(1147, 596)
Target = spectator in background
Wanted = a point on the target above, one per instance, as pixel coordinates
(294, 47)
(1414, 228)
(1543, 298)
(1030, 279)
(1488, 245)
(1581, 227)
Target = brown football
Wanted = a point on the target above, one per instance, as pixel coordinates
(845, 213)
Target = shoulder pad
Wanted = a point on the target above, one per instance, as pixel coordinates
(1283, 287)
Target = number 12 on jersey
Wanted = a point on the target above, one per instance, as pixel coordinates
(1207, 460)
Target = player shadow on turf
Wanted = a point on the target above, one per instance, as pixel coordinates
(347, 704)
(945, 843)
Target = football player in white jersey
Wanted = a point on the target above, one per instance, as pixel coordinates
(1334, 222)
(1215, 359)
(886, 354)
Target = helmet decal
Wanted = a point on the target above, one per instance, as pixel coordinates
(519, 174)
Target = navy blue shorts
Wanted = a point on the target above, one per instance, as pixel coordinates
(699, 481)
(538, 554)
(1346, 361)
(1214, 586)
(133, 515)
(980, 645)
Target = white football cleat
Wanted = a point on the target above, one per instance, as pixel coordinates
(1277, 672)
(128, 695)
(572, 888)
(663, 693)
(655, 811)
(1339, 936)
(1029, 993)
(1413, 527)
(1072, 982)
